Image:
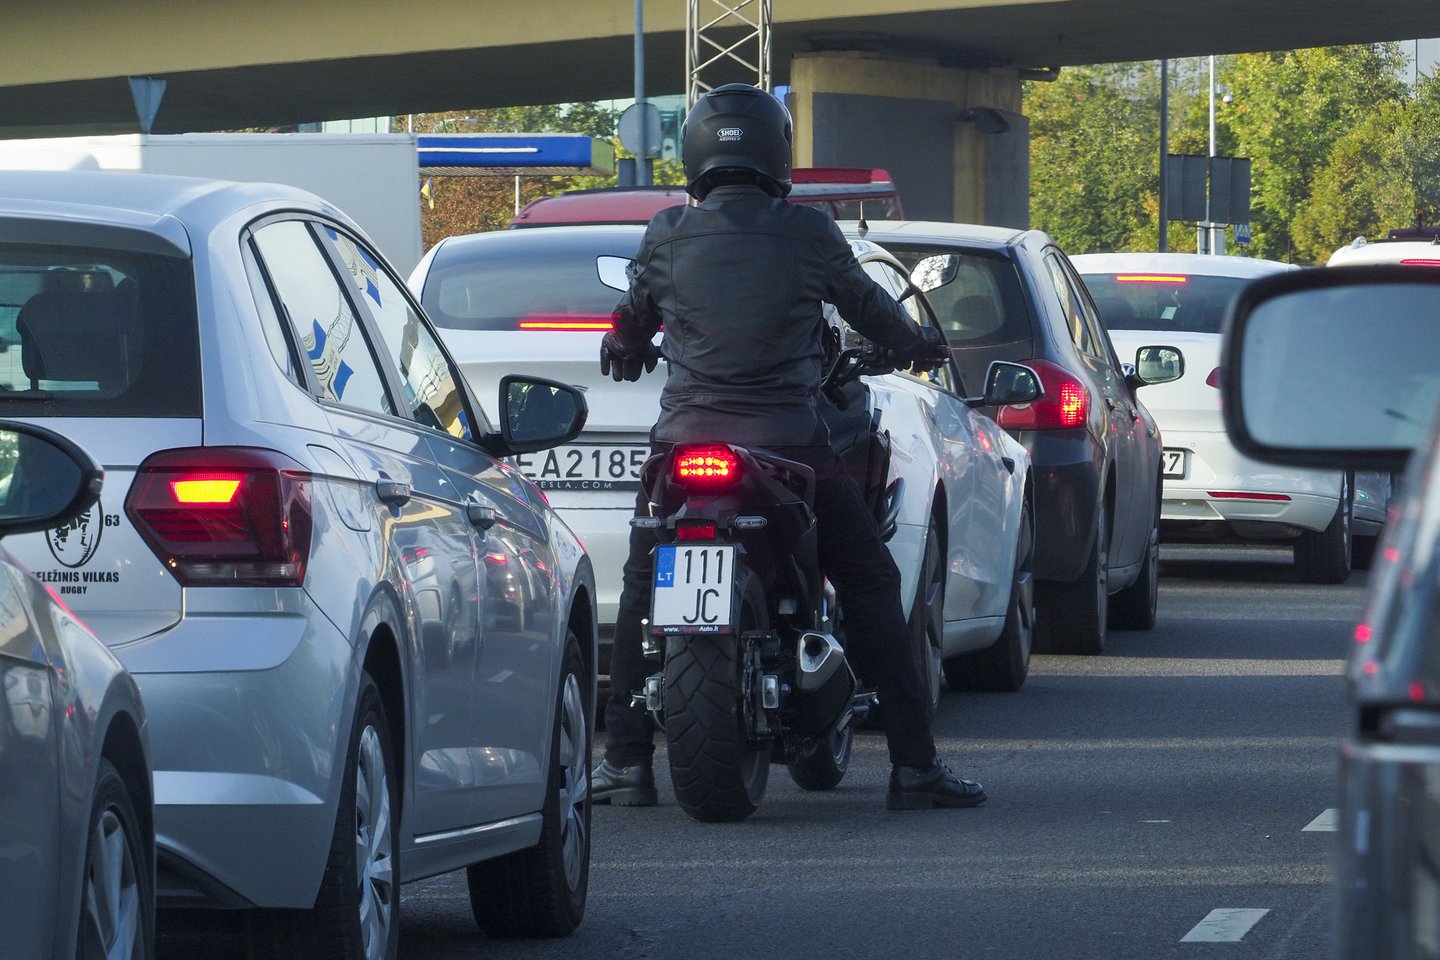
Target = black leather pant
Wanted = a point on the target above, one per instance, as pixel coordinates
(867, 582)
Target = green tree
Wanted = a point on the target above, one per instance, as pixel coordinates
(1094, 157)
(1383, 173)
(1289, 112)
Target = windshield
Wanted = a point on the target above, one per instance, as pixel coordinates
(1169, 302)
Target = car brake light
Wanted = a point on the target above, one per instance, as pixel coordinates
(1150, 278)
(594, 322)
(224, 516)
(1065, 404)
(1214, 379)
(1421, 262)
(706, 468)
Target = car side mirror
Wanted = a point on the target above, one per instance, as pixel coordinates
(1334, 367)
(46, 480)
(536, 413)
(614, 272)
(1007, 384)
(1156, 365)
(934, 272)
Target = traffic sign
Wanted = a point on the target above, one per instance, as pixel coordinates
(1242, 233)
(630, 128)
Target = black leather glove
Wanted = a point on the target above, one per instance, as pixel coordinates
(621, 363)
(935, 353)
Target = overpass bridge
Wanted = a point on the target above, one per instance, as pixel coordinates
(929, 89)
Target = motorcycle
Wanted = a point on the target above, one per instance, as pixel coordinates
(743, 622)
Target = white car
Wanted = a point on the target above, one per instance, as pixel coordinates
(1409, 246)
(533, 301)
(1212, 492)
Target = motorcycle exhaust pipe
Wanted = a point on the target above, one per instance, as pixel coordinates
(820, 657)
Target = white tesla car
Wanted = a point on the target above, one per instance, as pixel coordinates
(1212, 492)
(533, 301)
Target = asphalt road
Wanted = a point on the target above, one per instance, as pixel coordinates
(1138, 801)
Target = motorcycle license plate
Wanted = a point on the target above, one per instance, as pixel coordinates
(693, 589)
(1176, 464)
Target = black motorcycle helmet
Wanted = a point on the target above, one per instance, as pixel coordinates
(737, 133)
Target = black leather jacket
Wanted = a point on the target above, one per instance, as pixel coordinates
(738, 283)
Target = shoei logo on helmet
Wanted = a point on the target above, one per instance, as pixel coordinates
(730, 133)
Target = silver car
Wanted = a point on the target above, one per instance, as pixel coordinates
(366, 642)
(1341, 369)
(77, 842)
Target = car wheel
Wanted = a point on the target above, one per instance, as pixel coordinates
(1004, 666)
(1324, 556)
(927, 616)
(1072, 617)
(357, 911)
(119, 893)
(1134, 607)
(541, 891)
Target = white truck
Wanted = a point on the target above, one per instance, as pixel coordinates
(375, 178)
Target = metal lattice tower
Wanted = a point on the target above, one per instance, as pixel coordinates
(726, 41)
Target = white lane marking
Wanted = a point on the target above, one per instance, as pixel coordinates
(1327, 822)
(1225, 925)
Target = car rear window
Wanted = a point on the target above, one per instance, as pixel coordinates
(507, 291)
(977, 295)
(1163, 301)
(97, 332)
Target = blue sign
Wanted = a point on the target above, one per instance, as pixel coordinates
(1242, 233)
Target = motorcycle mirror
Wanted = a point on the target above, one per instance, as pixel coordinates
(614, 272)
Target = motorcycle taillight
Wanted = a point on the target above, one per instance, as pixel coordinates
(708, 468)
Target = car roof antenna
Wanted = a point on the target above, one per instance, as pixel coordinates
(864, 226)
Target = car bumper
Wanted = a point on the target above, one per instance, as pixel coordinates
(1067, 491)
(1226, 495)
(245, 745)
(1389, 851)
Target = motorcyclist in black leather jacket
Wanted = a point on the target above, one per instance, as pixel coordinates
(738, 282)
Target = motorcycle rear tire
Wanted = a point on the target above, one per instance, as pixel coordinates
(717, 774)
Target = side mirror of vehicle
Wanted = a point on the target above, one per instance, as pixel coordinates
(536, 413)
(1334, 367)
(1155, 365)
(1007, 384)
(614, 272)
(46, 480)
(934, 272)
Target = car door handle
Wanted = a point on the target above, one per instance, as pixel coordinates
(1110, 403)
(480, 515)
(396, 492)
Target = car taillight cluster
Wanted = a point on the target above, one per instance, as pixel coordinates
(1065, 405)
(225, 516)
(706, 468)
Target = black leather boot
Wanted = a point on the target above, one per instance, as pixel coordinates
(632, 786)
(921, 788)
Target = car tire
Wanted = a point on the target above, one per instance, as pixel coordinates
(927, 616)
(357, 911)
(717, 775)
(1134, 608)
(117, 909)
(1071, 618)
(1324, 556)
(1004, 666)
(541, 891)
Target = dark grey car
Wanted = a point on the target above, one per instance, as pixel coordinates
(77, 839)
(1301, 388)
(1004, 294)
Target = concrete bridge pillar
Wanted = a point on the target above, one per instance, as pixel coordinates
(954, 140)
